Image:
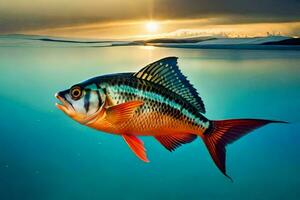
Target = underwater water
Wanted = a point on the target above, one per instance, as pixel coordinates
(45, 155)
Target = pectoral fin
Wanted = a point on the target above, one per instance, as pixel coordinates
(122, 112)
(137, 146)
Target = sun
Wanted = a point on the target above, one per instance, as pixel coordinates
(151, 26)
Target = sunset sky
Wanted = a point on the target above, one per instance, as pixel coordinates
(150, 18)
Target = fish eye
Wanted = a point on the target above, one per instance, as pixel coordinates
(76, 92)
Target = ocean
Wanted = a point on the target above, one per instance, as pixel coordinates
(44, 155)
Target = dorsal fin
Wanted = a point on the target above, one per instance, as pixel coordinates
(166, 73)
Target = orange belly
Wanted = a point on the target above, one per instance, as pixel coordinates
(150, 124)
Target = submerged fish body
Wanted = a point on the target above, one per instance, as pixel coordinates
(163, 112)
(156, 101)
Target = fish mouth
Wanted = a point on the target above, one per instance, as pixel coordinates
(63, 105)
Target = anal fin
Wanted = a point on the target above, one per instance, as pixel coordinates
(171, 142)
(137, 146)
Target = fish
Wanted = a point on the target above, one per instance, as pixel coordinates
(157, 101)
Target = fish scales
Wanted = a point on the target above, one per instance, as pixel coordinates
(157, 101)
(163, 107)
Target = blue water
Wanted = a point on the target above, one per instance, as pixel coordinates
(45, 155)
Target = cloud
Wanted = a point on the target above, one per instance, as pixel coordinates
(22, 15)
(278, 9)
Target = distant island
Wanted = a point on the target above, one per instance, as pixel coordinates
(269, 42)
(266, 43)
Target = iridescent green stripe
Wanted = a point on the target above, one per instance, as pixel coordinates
(156, 97)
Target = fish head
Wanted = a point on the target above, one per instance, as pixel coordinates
(81, 102)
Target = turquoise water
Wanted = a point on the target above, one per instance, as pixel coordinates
(45, 155)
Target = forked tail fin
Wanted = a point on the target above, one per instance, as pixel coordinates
(223, 132)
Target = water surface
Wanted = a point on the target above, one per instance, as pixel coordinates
(45, 155)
